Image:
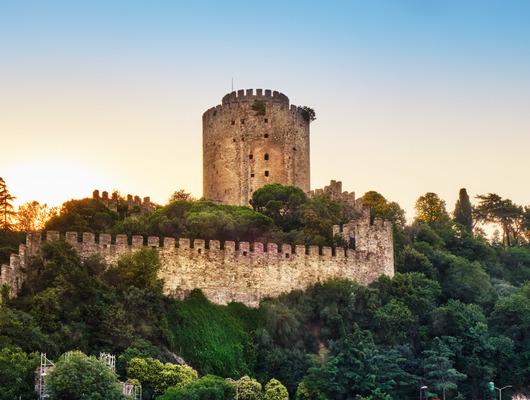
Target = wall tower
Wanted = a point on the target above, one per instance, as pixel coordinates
(250, 140)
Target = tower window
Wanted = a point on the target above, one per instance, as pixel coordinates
(250, 156)
(252, 175)
(233, 140)
(266, 173)
(266, 135)
(242, 122)
(266, 120)
(266, 157)
(294, 148)
(233, 122)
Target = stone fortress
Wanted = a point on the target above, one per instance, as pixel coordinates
(250, 140)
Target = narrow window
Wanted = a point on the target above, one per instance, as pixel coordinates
(294, 148)
(286, 255)
(266, 135)
(266, 173)
(199, 251)
(233, 122)
(233, 140)
(244, 253)
(250, 156)
(242, 122)
(266, 120)
(252, 175)
(266, 157)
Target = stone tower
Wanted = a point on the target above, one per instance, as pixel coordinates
(250, 140)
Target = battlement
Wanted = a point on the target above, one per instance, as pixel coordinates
(131, 201)
(87, 242)
(248, 96)
(334, 190)
(230, 271)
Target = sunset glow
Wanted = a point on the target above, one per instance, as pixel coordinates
(112, 97)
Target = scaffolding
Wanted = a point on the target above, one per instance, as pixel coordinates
(40, 380)
(131, 390)
(109, 360)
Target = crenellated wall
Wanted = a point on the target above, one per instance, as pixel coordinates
(229, 271)
(334, 191)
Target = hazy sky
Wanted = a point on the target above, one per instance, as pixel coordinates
(411, 96)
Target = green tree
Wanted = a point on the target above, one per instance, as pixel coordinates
(430, 208)
(412, 260)
(511, 317)
(308, 113)
(281, 203)
(139, 269)
(85, 215)
(274, 390)
(79, 377)
(6, 206)
(208, 387)
(463, 211)
(467, 281)
(356, 367)
(156, 377)
(181, 195)
(17, 374)
(419, 293)
(438, 368)
(394, 322)
(248, 389)
(492, 208)
(382, 208)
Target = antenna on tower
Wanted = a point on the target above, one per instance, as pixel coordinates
(232, 84)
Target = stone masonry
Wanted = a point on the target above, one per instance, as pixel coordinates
(229, 271)
(250, 140)
(246, 147)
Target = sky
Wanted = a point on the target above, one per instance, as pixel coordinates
(410, 96)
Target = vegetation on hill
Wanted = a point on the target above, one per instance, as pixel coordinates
(455, 316)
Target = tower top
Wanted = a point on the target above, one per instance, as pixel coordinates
(249, 95)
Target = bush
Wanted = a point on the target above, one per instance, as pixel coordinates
(208, 387)
(77, 376)
(157, 377)
(274, 390)
(17, 374)
(210, 337)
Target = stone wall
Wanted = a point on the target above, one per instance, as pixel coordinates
(229, 271)
(334, 191)
(113, 202)
(244, 150)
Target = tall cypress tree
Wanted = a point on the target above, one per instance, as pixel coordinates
(6, 206)
(462, 213)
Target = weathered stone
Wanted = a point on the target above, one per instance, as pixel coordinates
(246, 275)
(244, 149)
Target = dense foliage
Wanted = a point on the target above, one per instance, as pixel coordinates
(455, 316)
(77, 376)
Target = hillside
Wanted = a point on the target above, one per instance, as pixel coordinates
(454, 317)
